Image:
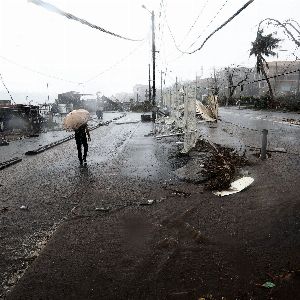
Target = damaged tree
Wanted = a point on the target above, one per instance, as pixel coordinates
(230, 74)
(264, 46)
(287, 26)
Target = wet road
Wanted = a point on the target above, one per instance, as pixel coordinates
(240, 128)
(19, 147)
(49, 185)
(124, 169)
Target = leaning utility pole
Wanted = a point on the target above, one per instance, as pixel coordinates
(153, 69)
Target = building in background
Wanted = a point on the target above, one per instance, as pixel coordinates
(287, 84)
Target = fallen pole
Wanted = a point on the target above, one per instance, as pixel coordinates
(278, 150)
(169, 135)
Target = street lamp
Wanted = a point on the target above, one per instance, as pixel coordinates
(153, 64)
(143, 6)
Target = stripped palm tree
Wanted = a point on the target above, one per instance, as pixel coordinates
(264, 45)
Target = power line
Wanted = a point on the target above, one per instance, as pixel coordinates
(214, 17)
(216, 30)
(55, 9)
(37, 72)
(220, 27)
(196, 20)
(170, 31)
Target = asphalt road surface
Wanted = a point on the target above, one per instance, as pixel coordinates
(243, 128)
(19, 147)
(100, 241)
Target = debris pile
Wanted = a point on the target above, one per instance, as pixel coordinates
(292, 121)
(221, 166)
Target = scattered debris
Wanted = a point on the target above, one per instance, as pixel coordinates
(268, 285)
(220, 166)
(148, 202)
(292, 121)
(281, 150)
(207, 113)
(169, 135)
(4, 142)
(236, 186)
(186, 294)
(146, 118)
(4, 209)
(73, 209)
(244, 172)
(130, 121)
(181, 193)
(151, 133)
(102, 209)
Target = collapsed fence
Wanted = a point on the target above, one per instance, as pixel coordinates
(182, 109)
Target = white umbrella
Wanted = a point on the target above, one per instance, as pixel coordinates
(75, 119)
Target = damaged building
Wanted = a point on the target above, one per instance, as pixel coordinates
(20, 118)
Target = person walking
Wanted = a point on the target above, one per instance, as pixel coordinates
(81, 140)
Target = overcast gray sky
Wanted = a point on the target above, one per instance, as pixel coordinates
(36, 39)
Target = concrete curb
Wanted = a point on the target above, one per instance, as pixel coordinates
(10, 162)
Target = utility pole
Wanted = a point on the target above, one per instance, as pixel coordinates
(298, 83)
(153, 68)
(48, 92)
(196, 86)
(176, 94)
(161, 92)
(275, 79)
(149, 82)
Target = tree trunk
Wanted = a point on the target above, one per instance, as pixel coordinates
(271, 103)
(230, 88)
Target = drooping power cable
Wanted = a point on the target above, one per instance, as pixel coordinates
(55, 9)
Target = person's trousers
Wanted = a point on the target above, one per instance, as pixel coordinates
(80, 143)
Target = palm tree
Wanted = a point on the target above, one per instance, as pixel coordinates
(264, 46)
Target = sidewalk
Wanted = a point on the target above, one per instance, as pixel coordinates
(187, 244)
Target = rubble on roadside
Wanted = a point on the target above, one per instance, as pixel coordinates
(292, 121)
(236, 186)
(212, 164)
(209, 112)
(221, 167)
